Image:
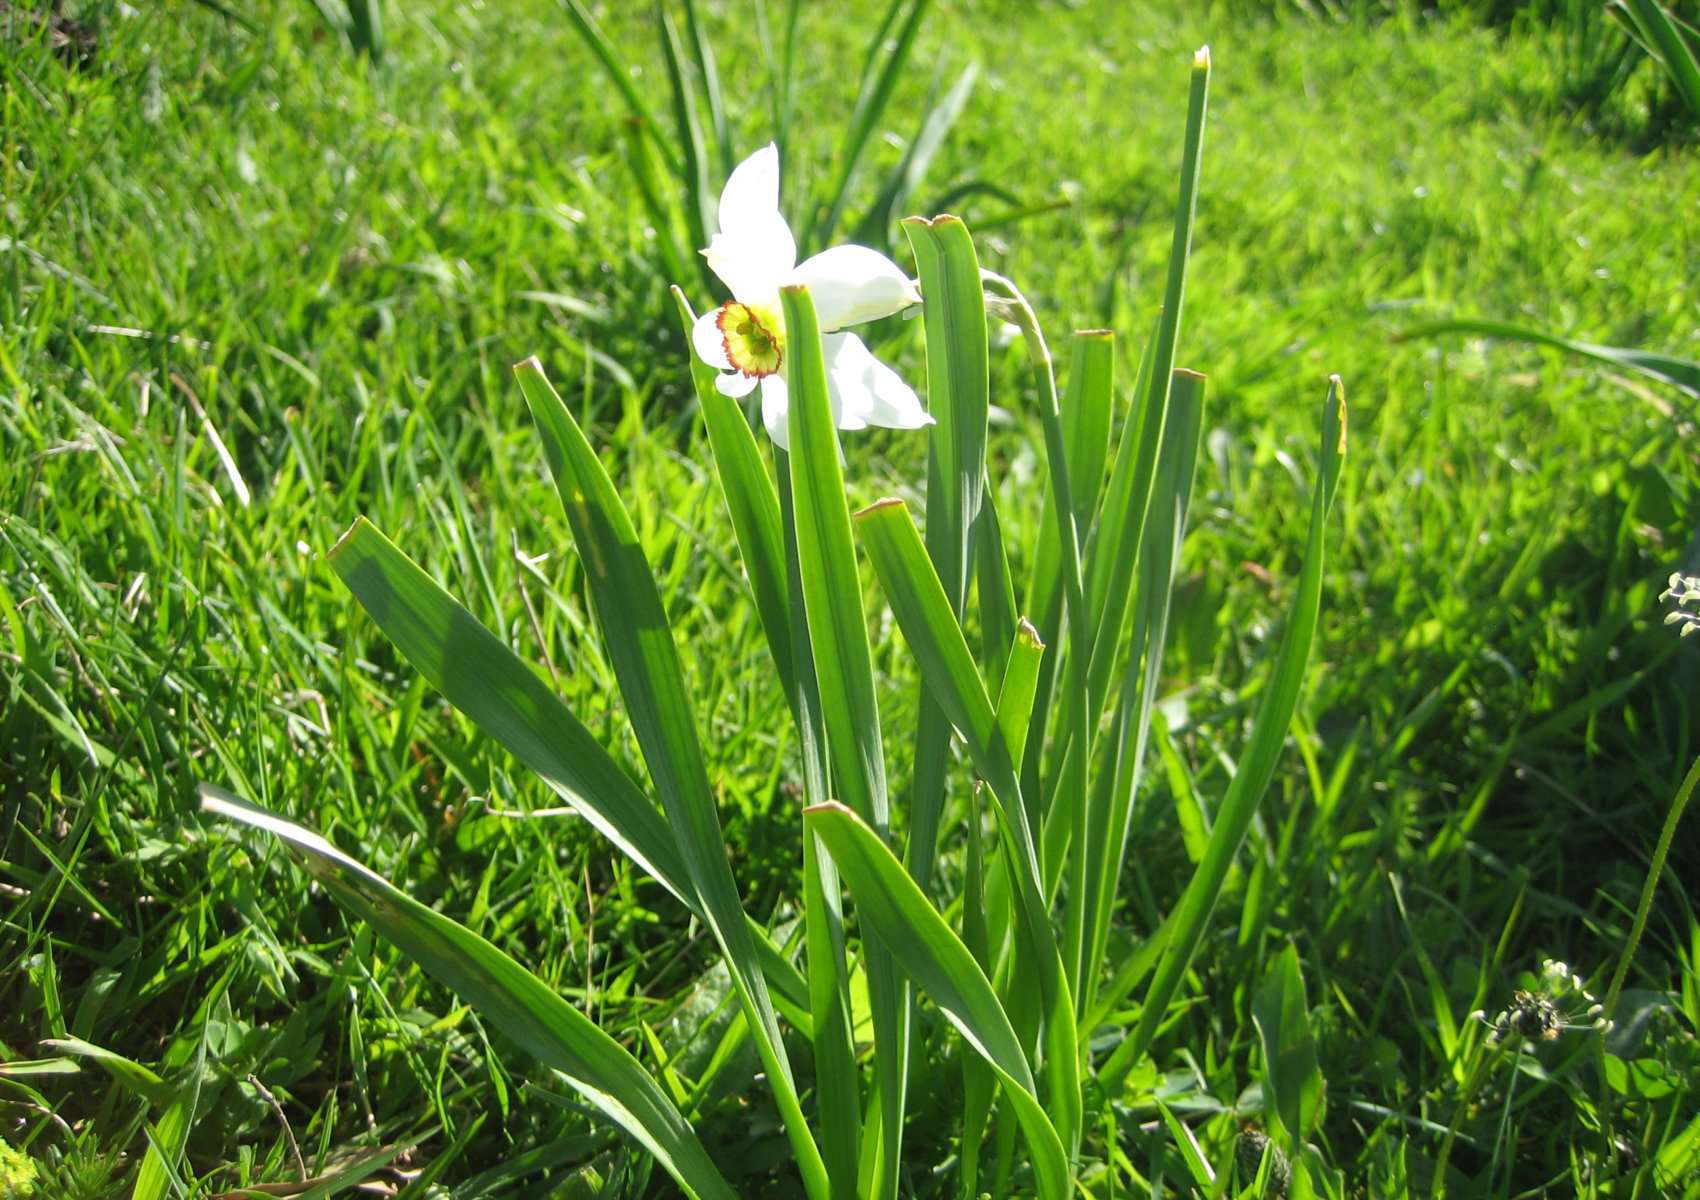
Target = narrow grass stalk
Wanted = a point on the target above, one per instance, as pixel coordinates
(881, 70)
(779, 70)
(701, 204)
(1087, 406)
(1655, 870)
(614, 67)
(1637, 927)
(1069, 805)
(1256, 766)
(1111, 810)
(708, 75)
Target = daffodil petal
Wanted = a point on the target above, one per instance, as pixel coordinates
(709, 342)
(735, 384)
(775, 410)
(751, 195)
(852, 284)
(754, 250)
(865, 390)
(752, 270)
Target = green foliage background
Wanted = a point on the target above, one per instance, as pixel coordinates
(227, 231)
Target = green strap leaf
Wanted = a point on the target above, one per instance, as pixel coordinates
(958, 399)
(838, 636)
(509, 997)
(918, 602)
(505, 698)
(760, 520)
(838, 1083)
(832, 594)
(939, 964)
(1121, 552)
(639, 643)
(752, 503)
(488, 682)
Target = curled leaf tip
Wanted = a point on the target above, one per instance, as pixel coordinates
(1201, 59)
(1338, 386)
(529, 363)
(880, 505)
(825, 806)
(346, 535)
(937, 222)
(1029, 633)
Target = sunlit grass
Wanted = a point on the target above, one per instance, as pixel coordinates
(340, 265)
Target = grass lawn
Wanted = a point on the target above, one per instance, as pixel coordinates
(252, 288)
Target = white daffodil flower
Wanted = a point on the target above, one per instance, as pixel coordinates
(755, 255)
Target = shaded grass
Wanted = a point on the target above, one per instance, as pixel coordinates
(337, 265)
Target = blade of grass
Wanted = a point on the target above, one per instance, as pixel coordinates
(508, 996)
(1111, 810)
(655, 203)
(779, 70)
(881, 70)
(708, 74)
(619, 74)
(1292, 1077)
(1257, 764)
(906, 177)
(702, 206)
(1680, 373)
(645, 659)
